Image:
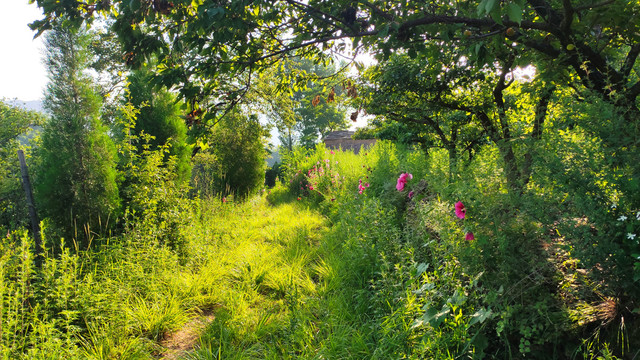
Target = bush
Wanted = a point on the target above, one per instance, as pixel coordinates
(235, 161)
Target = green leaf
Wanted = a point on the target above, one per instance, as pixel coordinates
(490, 6)
(384, 31)
(422, 267)
(480, 316)
(496, 15)
(481, 7)
(514, 11)
(435, 317)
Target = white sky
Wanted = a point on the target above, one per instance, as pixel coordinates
(22, 74)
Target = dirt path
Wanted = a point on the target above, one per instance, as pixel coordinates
(181, 342)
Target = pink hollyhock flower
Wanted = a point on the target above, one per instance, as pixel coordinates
(402, 180)
(460, 210)
(469, 236)
(410, 194)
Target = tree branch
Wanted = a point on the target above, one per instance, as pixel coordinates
(568, 16)
(376, 10)
(630, 60)
(546, 12)
(588, 7)
(499, 100)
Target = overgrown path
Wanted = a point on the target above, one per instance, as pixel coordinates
(262, 268)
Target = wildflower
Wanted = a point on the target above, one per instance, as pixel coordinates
(461, 211)
(410, 194)
(224, 199)
(299, 198)
(469, 236)
(310, 187)
(332, 152)
(614, 205)
(631, 236)
(333, 199)
(402, 180)
(622, 218)
(366, 185)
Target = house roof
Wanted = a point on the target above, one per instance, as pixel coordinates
(339, 135)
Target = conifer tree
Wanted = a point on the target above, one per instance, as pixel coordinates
(77, 180)
(160, 117)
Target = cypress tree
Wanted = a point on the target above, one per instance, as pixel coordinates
(77, 185)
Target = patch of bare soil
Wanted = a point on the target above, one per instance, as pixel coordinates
(181, 342)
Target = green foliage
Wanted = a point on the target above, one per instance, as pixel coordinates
(76, 181)
(273, 175)
(17, 130)
(151, 186)
(159, 117)
(235, 161)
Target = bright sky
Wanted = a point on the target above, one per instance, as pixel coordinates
(22, 74)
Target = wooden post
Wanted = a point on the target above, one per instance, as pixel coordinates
(35, 222)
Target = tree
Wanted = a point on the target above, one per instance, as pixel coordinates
(235, 161)
(461, 107)
(76, 182)
(595, 42)
(204, 47)
(160, 117)
(300, 110)
(319, 104)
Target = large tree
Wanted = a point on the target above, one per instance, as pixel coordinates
(76, 183)
(203, 45)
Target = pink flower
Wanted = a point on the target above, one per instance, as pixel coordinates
(460, 210)
(332, 152)
(469, 236)
(402, 181)
(310, 187)
(361, 188)
(224, 199)
(299, 198)
(410, 194)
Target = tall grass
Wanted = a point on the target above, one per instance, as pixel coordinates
(334, 264)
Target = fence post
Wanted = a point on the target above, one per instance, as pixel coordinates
(35, 222)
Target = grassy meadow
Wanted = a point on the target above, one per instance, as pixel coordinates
(336, 262)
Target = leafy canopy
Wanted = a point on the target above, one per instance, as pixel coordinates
(203, 46)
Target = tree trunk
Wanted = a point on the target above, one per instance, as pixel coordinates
(33, 215)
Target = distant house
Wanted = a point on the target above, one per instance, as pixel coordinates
(343, 140)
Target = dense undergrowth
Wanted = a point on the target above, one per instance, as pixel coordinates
(337, 262)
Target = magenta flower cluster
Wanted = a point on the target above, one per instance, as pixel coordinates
(361, 187)
(461, 213)
(402, 181)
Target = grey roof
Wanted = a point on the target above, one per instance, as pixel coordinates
(339, 135)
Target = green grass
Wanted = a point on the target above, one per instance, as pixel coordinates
(295, 274)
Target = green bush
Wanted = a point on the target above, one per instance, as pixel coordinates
(235, 161)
